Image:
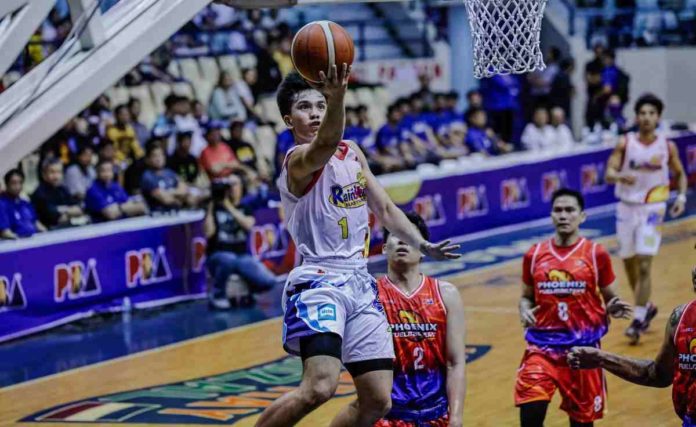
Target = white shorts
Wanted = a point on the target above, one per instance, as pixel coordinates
(639, 228)
(322, 297)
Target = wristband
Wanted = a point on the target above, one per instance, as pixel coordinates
(681, 198)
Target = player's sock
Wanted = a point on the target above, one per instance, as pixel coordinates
(639, 313)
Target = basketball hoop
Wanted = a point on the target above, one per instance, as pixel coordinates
(506, 36)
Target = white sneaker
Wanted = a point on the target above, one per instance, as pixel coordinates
(219, 303)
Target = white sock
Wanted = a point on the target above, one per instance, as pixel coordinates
(639, 312)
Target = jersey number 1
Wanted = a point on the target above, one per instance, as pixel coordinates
(343, 222)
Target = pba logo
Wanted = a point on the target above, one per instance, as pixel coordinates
(412, 327)
(198, 247)
(268, 240)
(592, 178)
(514, 194)
(472, 202)
(691, 158)
(551, 182)
(76, 280)
(12, 294)
(147, 267)
(430, 209)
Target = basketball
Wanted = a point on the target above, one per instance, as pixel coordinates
(318, 45)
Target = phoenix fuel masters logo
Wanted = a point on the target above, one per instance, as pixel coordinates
(413, 327)
(687, 361)
(560, 282)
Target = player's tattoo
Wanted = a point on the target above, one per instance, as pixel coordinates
(676, 315)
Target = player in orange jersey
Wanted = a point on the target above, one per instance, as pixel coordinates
(568, 289)
(427, 323)
(640, 166)
(675, 363)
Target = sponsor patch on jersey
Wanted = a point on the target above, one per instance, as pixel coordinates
(326, 312)
(561, 282)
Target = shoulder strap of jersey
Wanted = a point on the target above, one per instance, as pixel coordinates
(681, 319)
(534, 257)
(594, 263)
(435, 289)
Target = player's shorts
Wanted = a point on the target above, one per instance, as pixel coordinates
(688, 421)
(431, 417)
(638, 228)
(543, 371)
(337, 297)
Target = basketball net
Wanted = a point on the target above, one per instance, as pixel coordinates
(506, 35)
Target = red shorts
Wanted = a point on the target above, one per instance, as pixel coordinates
(440, 422)
(542, 372)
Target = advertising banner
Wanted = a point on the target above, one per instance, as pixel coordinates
(50, 284)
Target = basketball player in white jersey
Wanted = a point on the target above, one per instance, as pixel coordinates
(640, 166)
(332, 314)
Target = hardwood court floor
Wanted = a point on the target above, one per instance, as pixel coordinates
(490, 298)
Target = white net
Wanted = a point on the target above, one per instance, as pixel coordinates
(506, 36)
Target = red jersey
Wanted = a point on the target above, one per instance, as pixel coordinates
(419, 327)
(566, 282)
(684, 384)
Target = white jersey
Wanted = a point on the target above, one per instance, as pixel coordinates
(331, 219)
(649, 165)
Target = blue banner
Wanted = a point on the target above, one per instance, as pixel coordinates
(47, 284)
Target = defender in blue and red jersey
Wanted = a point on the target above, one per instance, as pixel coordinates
(427, 324)
(568, 280)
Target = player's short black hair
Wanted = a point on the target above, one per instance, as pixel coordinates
(649, 99)
(288, 90)
(471, 112)
(417, 221)
(103, 162)
(12, 172)
(150, 148)
(568, 192)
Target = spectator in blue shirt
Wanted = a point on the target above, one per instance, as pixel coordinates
(284, 143)
(106, 200)
(160, 186)
(501, 101)
(481, 139)
(358, 127)
(391, 148)
(614, 79)
(17, 216)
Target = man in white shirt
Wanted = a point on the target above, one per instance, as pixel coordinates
(538, 135)
(563, 137)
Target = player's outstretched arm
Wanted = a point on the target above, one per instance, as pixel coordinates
(456, 352)
(677, 170)
(309, 158)
(395, 220)
(612, 175)
(527, 307)
(651, 373)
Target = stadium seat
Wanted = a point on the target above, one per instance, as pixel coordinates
(159, 91)
(351, 99)
(269, 110)
(190, 70)
(183, 89)
(210, 69)
(266, 142)
(149, 111)
(118, 95)
(247, 60)
(382, 96)
(174, 70)
(249, 136)
(365, 96)
(229, 64)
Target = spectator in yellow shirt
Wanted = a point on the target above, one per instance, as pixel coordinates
(124, 137)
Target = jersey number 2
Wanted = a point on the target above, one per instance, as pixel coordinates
(418, 353)
(343, 222)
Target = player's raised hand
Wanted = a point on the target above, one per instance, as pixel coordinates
(619, 309)
(527, 316)
(335, 84)
(440, 251)
(584, 358)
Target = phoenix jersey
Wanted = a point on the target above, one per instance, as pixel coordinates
(419, 328)
(330, 220)
(649, 165)
(566, 282)
(684, 384)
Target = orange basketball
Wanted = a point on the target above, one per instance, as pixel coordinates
(318, 45)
